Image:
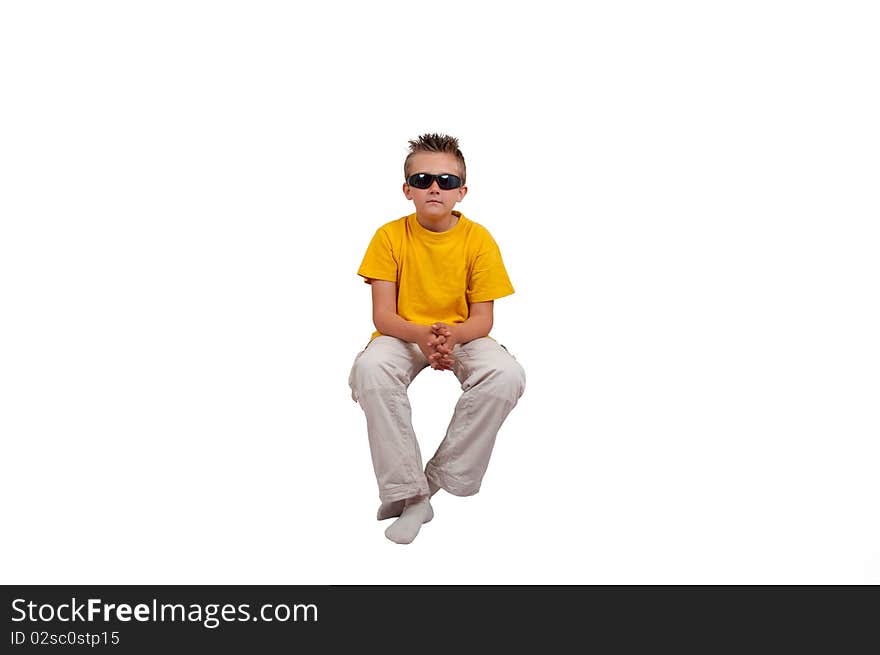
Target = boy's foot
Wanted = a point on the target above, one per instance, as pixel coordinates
(416, 512)
(395, 507)
(389, 510)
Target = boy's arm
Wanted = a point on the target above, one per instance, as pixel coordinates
(388, 322)
(385, 316)
(478, 324)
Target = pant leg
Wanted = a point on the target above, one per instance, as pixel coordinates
(492, 381)
(379, 379)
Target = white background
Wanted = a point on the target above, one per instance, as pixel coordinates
(686, 199)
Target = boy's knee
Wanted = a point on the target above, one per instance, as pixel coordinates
(371, 371)
(510, 380)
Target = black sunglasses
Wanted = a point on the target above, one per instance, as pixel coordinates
(424, 181)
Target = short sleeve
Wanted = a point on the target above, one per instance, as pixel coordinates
(488, 278)
(379, 262)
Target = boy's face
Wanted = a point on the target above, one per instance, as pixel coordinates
(434, 202)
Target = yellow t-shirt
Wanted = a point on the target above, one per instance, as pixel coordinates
(438, 274)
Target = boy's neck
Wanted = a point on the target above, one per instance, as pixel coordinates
(440, 224)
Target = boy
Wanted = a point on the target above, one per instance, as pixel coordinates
(434, 276)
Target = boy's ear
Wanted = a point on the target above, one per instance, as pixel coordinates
(406, 191)
(462, 192)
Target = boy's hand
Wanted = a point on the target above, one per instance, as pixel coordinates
(428, 343)
(449, 338)
(444, 362)
(439, 360)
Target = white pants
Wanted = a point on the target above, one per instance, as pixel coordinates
(492, 381)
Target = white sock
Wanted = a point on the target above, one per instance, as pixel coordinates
(389, 510)
(395, 507)
(416, 512)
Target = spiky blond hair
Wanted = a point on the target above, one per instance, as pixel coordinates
(435, 143)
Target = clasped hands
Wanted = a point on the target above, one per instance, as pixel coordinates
(437, 344)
